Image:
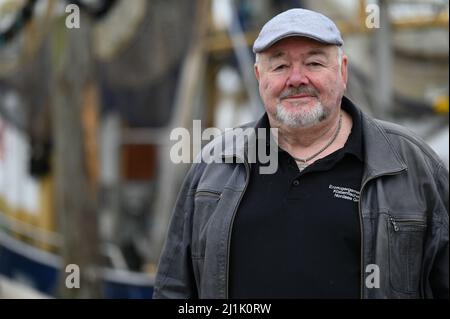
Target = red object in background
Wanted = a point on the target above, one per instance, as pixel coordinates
(139, 162)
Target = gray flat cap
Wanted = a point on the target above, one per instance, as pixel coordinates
(297, 22)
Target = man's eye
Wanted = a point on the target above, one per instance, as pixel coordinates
(313, 64)
(280, 67)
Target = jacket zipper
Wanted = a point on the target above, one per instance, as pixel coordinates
(394, 222)
(361, 225)
(247, 178)
(217, 195)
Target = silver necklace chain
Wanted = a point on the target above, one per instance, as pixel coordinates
(304, 162)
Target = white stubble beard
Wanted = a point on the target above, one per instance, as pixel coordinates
(301, 119)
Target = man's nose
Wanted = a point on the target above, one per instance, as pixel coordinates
(297, 77)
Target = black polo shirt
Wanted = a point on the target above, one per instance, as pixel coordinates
(297, 234)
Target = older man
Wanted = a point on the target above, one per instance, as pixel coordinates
(357, 208)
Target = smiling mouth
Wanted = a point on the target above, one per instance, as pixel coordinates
(300, 96)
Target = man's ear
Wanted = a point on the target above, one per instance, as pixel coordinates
(344, 71)
(256, 69)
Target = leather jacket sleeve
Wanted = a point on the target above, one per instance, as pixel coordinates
(174, 278)
(439, 279)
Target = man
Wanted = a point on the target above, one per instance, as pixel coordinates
(357, 208)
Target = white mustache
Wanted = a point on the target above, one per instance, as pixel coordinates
(296, 91)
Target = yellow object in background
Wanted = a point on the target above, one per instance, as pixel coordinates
(440, 104)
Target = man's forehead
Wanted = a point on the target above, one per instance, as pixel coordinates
(308, 47)
(283, 51)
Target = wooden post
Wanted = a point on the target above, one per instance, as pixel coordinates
(75, 194)
(171, 174)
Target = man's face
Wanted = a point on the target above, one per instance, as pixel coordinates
(301, 81)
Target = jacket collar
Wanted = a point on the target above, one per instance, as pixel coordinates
(380, 156)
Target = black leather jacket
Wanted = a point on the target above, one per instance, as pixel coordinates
(403, 212)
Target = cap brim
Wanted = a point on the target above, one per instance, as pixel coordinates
(257, 48)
